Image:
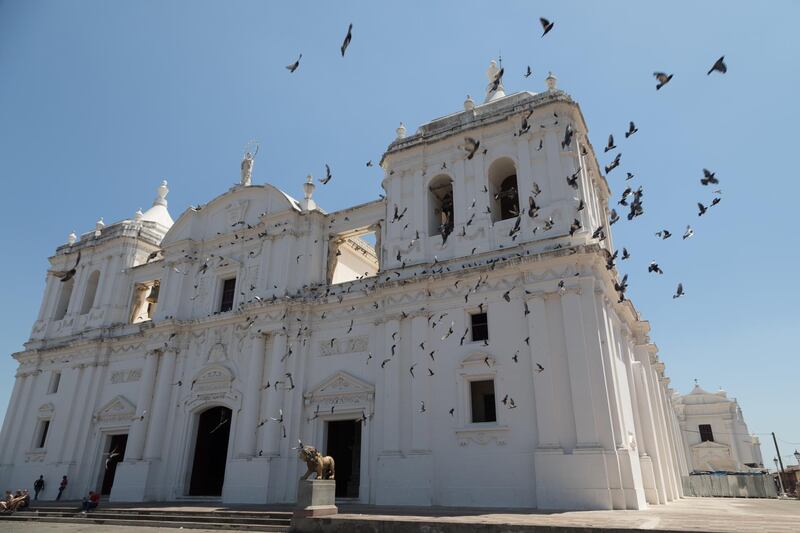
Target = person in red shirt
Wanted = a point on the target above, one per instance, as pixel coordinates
(91, 502)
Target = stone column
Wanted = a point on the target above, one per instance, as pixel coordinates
(391, 390)
(418, 209)
(460, 202)
(78, 288)
(669, 457)
(524, 176)
(24, 409)
(611, 349)
(249, 416)
(72, 383)
(420, 388)
(544, 387)
(378, 244)
(86, 409)
(286, 260)
(477, 167)
(659, 426)
(271, 429)
(292, 400)
(680, 465)
(649, 438)
(105, 279)
(138, 430)
(580, 380)
(161, 404)
(9, 422)
(263, 269)
(50, 289)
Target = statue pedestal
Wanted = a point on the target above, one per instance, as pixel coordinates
(316, 497)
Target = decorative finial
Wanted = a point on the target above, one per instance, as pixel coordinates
(469, 104)
(138, 215)
(98, 227)
(551, 82)
(401, 131)
(308, 190)
(162, 192)
(71, 238)
(695, 381)
(495, 88)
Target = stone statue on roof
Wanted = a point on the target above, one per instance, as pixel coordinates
(247, 163)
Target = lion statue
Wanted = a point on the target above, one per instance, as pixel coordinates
(322, 465)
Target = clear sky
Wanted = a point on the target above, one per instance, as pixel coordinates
(99, 101)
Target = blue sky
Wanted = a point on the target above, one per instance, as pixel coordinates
(99, 101)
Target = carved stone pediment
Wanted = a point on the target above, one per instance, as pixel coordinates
(235, 211)
(212, 379)
(125, 376)
(119, 409)
(217, 353)
(477, 359)
(343, 392)
(345, 345)
(47, 409)
(483, 436)
(709, 445)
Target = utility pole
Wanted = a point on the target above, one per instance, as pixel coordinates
(780, 461)
(778, 451)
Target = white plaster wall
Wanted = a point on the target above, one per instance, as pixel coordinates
(574, 440)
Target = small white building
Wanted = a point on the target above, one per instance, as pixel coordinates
(478, 355)
(715, 434)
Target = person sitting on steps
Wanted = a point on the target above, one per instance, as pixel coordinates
(15, 502)
(22, 501)
(5, 504)
(91, 502)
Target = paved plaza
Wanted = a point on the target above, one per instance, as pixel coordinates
(42, 527)
(728, 515)
(722, 515)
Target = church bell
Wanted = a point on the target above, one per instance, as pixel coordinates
(153, 296)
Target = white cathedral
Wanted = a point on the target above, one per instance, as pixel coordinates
(478, 354)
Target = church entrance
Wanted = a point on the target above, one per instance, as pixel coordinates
(114, 454)
(210, 452)
(343, 443)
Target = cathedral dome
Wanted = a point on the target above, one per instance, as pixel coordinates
(159, 213)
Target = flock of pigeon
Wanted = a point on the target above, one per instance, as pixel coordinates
(635, 204)
(632, 199)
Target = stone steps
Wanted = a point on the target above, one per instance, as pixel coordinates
(268, 521)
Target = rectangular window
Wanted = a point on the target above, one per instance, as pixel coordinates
(55, 380)
(44, 425)
(706, 435)
(228, 293)
(480, 327)
(482, 399)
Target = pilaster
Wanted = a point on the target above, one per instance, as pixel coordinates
(252, 396)
(271, 429)
(391, 390)
(420, 389)
(73, 387)
(138, 431)
(540, 353)
(11, 421)
(161, 405)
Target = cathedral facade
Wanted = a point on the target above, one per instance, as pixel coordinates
(715, 434)
(458, 342)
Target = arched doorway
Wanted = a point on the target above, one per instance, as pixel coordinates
(210, 452)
